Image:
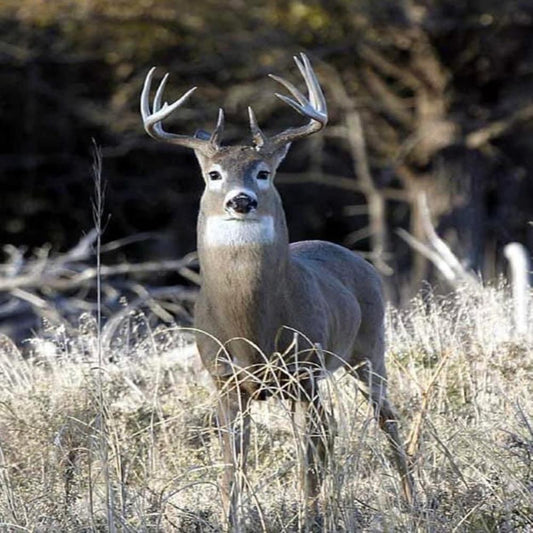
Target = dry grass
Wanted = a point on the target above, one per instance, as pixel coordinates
(144, 455)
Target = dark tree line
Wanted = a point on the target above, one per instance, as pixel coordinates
(427, 99)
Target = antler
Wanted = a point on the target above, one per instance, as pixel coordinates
(313, 107)
(153, 119)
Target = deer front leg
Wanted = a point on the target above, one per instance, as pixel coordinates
(234, 430)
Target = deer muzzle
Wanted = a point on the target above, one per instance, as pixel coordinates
(242, 203)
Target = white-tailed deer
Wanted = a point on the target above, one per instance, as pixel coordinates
(258, 290)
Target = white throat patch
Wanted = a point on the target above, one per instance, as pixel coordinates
(221, 231)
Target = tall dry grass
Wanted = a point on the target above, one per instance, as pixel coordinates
(121, 435)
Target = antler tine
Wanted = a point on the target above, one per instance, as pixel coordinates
(316, 94)
(291, 88)
(257, 135)
(216, 136)
(152, 119)
(313, 107)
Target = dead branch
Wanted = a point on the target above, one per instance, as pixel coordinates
(357, 144)
(390, 103)
(436, 250)
(519, 262)
(62, 275)
(57, 288)
(152, 298)
(386, 67)
(478, 138)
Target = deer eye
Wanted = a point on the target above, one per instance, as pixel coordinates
(214, 175)
(263, 175)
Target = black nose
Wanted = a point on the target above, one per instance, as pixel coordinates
(242, 203)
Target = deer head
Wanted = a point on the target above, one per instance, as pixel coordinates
(239, 180)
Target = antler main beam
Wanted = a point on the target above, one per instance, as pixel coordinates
(153, 118)
(313, 107)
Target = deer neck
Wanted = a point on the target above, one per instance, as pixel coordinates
(243, 266)
(248, 253)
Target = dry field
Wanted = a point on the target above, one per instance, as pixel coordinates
(117, 433)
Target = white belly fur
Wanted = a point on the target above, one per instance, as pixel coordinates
(219, 231)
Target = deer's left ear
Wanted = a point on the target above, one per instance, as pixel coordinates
(279, 154)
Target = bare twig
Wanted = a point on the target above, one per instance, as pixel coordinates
(478, 138)
(357, 144)
(436, 250)
(64, 279)
(340, 182)
(427, 252)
